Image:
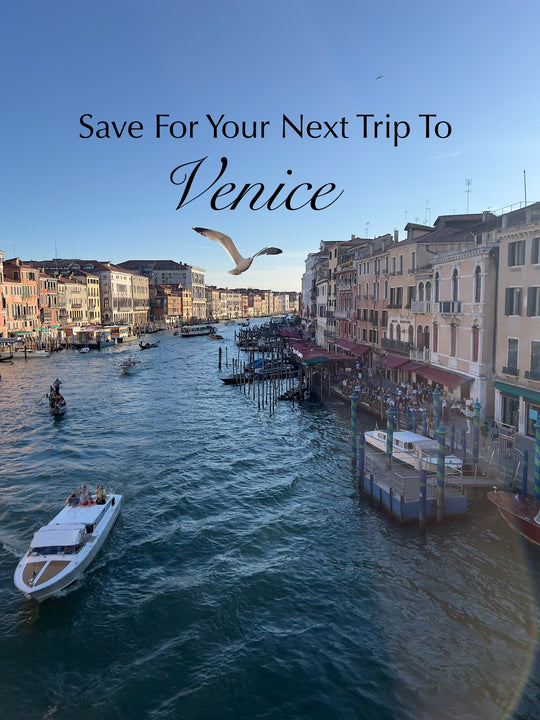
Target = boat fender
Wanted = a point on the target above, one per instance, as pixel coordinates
(112, 501)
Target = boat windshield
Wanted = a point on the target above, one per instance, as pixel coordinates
(57, 549)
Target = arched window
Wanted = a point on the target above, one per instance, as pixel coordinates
(419, 338)
(475, 343)
(453, 340)
(477, 284)
(411, 334)
(455, 293)
(426, 337)
(398, 332)
(421, 292)
(435, 337)
(391, 331)
(437, 287)
(428, 291)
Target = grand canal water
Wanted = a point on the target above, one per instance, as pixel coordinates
(245, 578)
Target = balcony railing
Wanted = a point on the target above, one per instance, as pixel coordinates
(398, 345)
(532, 375)
(421, 306)
(514, 371)
(342, 314)
(449, 307)
(417, 354)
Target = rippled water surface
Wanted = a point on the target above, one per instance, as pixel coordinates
(245, 578)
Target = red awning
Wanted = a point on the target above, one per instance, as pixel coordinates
(353, 348)
(394, 361)
(445, 377)
(412, 366)
(310, 351)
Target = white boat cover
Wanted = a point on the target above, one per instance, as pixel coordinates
(53, 535)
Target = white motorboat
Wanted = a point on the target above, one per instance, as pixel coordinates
(62, 550)
(130, 366)
(195, 330)
(413, 449)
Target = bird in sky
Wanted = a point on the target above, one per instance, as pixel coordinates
(242, 263)
(379, 77)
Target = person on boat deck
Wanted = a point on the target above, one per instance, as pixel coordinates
(85, 496)
(73, 499)
(100, 495)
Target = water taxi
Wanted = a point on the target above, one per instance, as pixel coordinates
(61, 551)
(412, 449)
(195, 330)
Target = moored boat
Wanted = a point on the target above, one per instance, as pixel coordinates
(196, 330)
(522, 513)
(147, 346)
(413, 449)
(61, 551)
(29, 353)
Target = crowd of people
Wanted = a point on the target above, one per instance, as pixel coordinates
(408, 398)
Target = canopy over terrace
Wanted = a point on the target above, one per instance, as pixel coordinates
(444, 377)
(354, 348)
(311, 354)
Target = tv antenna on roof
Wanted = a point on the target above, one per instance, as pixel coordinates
(468, 184)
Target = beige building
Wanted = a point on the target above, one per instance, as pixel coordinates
(141, 300)
(231, 304)
(213, 303)
(463, 326)
(517, 388)
(72, 302)
(91, 282)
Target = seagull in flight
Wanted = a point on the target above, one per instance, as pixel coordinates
(242, 263)
(379, 77)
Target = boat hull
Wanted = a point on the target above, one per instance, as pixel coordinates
(39, 577)
(29, 354)
(518, 512)
(129, 367)
(58, 409)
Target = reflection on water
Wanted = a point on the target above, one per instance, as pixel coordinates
(245, 577)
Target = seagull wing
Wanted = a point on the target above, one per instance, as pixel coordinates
(223, 240)
(268, 251)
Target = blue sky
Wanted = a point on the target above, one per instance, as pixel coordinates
(472, 65)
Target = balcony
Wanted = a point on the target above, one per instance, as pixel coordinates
(421, 306)
(421, 355)
(398, 345)
(511, 371)
(533, 375)
(449, 307)
(342, 314)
